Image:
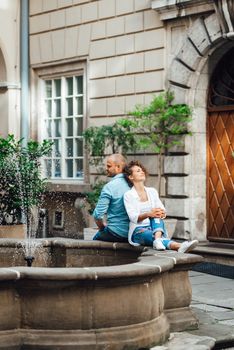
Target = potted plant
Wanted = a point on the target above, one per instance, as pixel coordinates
(21, 183)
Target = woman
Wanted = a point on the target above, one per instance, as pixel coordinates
(146, 213)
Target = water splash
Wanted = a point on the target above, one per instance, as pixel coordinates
(29, 212)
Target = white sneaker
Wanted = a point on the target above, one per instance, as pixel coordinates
(187, 246)
(157, 244)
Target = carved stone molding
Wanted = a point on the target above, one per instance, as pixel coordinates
(203, 35)
(225, 13)
(172, 9)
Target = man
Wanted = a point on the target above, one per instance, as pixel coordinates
(111, 205)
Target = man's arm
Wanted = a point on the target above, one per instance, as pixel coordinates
(101, 208)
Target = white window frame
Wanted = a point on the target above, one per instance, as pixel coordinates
(62, 71)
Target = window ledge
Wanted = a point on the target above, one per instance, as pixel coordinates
(171, 9)
(67, 186)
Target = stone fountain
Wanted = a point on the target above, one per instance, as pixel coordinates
(92, 295)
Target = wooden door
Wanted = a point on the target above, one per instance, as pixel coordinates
(220, 199)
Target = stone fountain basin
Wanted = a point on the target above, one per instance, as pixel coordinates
(92, 295)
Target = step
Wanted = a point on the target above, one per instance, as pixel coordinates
(216, 252)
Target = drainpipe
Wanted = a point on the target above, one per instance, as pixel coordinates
(24, 69)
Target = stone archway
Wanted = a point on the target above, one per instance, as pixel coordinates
(189, 74)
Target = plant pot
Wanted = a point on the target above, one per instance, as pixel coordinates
(13, 231)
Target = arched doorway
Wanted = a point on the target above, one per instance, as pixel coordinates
(220, 157)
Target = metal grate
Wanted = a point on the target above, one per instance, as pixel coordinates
(215, 269)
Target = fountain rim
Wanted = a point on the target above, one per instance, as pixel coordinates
(148, 263)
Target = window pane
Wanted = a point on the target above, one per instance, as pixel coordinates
(48, 128)
(69, 147)
(48, 88)
(48, 108)
(57, 168)
(57, 148)
(64, 125)
(69, 86)
(69, 163)
(79, 147)
(48, 168)
(57, 83)
(57, 108)
(70, 106)
(79, 82)
(80, 105)
(79, 126)
(79, 168)
(69, 122)
(57, 127)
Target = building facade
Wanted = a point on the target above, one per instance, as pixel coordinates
(93, 61)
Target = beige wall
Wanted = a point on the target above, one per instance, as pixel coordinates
(122, 41)
(9, 71)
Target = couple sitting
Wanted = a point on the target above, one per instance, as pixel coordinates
(134, 212)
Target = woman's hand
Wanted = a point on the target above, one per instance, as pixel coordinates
(157, 213)
(154, 213)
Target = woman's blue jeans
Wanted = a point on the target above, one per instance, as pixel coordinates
(144, 235)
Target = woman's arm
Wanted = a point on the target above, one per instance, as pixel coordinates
(133, 212)
(154, 213)
(131, 206)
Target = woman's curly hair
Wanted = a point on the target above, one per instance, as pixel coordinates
(127, 170)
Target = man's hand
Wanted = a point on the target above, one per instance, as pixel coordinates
(100, 224)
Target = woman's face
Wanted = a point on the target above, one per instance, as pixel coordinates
(137, 175)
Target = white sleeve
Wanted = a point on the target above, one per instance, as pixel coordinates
(157, 201)
(131, 207)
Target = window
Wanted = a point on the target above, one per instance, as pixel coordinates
(58, 219)
(63, 124)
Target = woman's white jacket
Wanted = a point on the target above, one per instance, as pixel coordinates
(132, 206)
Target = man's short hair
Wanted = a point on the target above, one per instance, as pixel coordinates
(117, 158)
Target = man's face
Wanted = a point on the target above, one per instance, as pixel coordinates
(112, 168)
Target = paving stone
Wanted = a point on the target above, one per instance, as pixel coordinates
(210, 308)
(185, 341)
(203, 317)
(227, 322)
(221, 332)
(221, 316)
